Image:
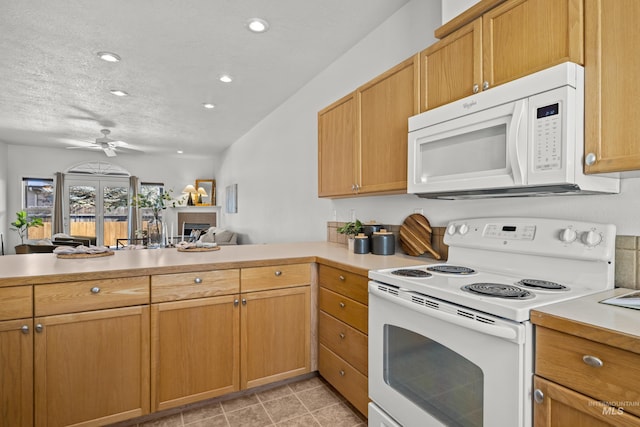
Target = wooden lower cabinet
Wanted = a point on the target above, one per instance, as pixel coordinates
(16, 373)
(275, 335)
(195, 350)
(350, 382)
(92, 368)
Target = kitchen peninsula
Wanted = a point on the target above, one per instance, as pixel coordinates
(106, 339)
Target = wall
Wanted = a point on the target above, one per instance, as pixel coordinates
(451, 9)
(4, 217)
(38, 162)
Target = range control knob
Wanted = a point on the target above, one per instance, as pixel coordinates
(463, 229)
(568, 235)
(451, 229)
(591, 238)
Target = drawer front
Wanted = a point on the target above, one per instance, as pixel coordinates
(274, 277)
(16, 302)
(345, 341)
(348, 381)
(200, 284)
(561, 358)
(71, 297)
(352, 285)
(349, 311)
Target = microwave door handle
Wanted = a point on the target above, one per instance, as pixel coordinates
(517, 142)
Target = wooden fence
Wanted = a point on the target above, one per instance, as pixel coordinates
(112, 231)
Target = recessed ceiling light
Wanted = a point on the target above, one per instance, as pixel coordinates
(208, 105)
(257, 25)
(118, 92)
(108, 56)
(179, 151)
(226, 78)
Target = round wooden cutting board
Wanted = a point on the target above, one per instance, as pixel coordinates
(415, 236)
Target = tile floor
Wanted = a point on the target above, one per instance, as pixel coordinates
(306, 403)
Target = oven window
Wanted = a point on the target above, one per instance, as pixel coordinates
(437, 379)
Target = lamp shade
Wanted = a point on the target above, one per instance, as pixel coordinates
(202, 192)
(189, 189)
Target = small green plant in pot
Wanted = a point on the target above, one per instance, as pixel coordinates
(350, 229)
(22, 224)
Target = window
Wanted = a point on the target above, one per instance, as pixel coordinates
(155, 193)
(38, 202)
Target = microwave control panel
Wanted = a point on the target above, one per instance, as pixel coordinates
(548, 138)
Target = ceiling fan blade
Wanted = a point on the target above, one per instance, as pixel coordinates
(110, 152)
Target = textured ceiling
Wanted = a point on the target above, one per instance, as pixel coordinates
(55, 90)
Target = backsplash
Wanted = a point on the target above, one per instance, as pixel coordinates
(627, 260)
(436, 238)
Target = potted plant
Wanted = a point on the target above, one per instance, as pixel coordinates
(156, 202)
(350, 229)
(21, 225)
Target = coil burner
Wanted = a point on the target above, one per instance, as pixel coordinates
(410, 272)
(542, 285)
(451, 269)
(498, 290)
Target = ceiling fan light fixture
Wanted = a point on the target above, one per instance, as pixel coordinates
(118, 92)
(208, 106)
(109, 56)
(257, 25)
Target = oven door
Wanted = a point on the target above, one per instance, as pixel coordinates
(433, 363)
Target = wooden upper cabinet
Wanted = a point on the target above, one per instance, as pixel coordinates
(452, 67)
(384, 107)
(336, 148)
(611, 91)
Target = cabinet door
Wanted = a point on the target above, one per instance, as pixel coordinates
(557, 406)
(452, 68)
(195, 351)
(384, 107)
(16, 373)
(611, 91)
(336, 148)
(92, 368)
(275, 335)
(524, 36)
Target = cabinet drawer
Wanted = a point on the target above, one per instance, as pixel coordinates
(274, 277)
(200, 284)
(348, 381)
(561, 358)
(352, 285)
(16, 302)
(345, 341)
(70, 297)
(349, 311)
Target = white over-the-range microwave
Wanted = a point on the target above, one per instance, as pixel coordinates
(522, 138)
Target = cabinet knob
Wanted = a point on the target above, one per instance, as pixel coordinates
(197, 280)
(236, 302)
(476, 88)
(590, 159)
(592, 361)
(342, 335)
(341, 278)
(95, 290)
(39, 327)
(25, 329)
(278, 273)
(244, 301)
(485, 85)
(342, 305)
(341, 372)
(538, 396)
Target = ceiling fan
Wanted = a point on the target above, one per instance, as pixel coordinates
(106, 144)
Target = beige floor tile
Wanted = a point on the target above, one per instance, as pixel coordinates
(218, 421)
(285, 408)
(239, 402)
(306, 384)
(318, 397)
(337, 416)
(203, 413)
(252, 416)
(274, 393)
(303, 421)
(170, 421)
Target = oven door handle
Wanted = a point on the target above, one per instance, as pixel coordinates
(502, 331)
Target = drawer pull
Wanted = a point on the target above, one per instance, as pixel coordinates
(278, 273)
(592, 361)
(342, 335)
(25, 329)
(538, 396)
(95, 290)
(341, 373)
(341, 278)
(197, 280)
(342, 305)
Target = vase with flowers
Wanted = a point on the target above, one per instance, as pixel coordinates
(155, 202)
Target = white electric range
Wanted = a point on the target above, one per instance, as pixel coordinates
(451, 343)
